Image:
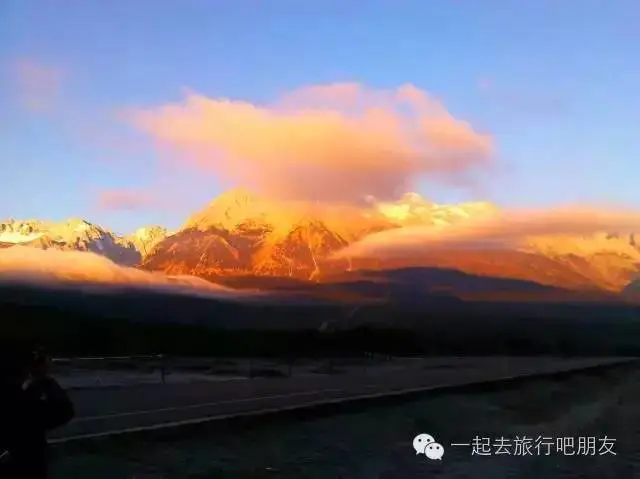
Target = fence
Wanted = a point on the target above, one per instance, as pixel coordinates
(89, 372)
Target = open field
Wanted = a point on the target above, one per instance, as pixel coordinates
(130, 371)
(375, 441)
(104, 410)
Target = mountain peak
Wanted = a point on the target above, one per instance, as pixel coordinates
(146, 232)
(229, 210)
(146, 238)
(80, 223)
(71, 234)
(241, 233)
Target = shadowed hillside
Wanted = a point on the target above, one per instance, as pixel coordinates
(416, 284)
(69, 322)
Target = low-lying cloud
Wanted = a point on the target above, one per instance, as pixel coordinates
(32, 265)
(506, 230)
(337, 142)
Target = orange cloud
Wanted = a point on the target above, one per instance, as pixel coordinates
(36, 266)
(124, 199)
(502, 231)
(38, 85)
(336, 142)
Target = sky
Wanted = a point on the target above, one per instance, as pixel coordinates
(129, 113)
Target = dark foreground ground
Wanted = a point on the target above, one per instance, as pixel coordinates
(101, 410)
(376, 442)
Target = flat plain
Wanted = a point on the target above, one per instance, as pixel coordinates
(376, 441)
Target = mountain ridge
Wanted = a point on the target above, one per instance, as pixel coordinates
(76, 234)
(241, 234)
(296, 240)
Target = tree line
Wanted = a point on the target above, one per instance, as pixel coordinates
(68, 333)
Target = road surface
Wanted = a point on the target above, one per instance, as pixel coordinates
(106, 411)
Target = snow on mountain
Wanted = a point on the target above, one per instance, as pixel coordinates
(239, 233)
(12, 231)
(613, 260)
(146, 238)
(586, 246)
(414, 209)
(70, 235)
(231, 210)
(238, 210)
(610, 258)
(81, 235)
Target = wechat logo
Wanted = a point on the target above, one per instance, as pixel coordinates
(427, 445)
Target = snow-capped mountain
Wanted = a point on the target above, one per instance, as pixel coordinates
(80, 235)
(240, 211)
(146, 238)
(611, 260)
(239, 233)
(413, 209)
(242, 234)
(608, 259)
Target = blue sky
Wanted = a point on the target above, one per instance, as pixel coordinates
(554, 82)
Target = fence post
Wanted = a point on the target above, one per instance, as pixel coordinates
(163, 372)
(291, 360)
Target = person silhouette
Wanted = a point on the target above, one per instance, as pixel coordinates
(32, 404)
(13, 372)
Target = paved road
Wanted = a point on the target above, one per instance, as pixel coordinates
(106, 410)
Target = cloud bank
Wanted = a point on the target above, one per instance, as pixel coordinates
(507, 230)
(337, 142)
(32, 265)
